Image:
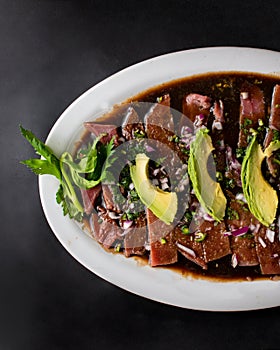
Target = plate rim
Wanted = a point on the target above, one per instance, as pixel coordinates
(46, 202)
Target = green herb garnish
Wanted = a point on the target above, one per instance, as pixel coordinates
(199, 236)
(87, 173)
(185, 230)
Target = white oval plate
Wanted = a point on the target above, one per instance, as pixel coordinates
(154, 283)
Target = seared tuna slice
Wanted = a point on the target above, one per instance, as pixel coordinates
(274, 130)
(159, 123)
(243, 247)
(97, 129)
(136, 237)
(162, 241)
(216, 244)
(159, 127)
(268, 249)
(190, 249)
(89, 198)
(132, 125)
(252, 109)
(106, 232)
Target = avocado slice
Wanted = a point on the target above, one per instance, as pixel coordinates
(261, 197)
(207, 190)
(164, 205)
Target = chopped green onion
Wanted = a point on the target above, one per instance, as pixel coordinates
(185, 230)
(199, 236)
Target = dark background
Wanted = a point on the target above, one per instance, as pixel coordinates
(50, 53)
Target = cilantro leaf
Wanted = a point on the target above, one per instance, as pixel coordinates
(43, 150)
(72, 174)
(41, 166)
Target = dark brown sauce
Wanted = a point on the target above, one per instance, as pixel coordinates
(221, 85)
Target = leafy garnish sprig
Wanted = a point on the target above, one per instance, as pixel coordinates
(92, 169)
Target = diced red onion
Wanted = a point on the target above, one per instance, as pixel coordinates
(164, 186)
(229, 152)
(178, 171)
(113, 215)
(270, 235)
(131, 186)
(198, 121)
(234, 261)
(252, 227)
(262, 242)
(155, 182)
(181, 188)
(228, 233)
(235, 164)
(244, 95)
(217, 125)
(127, 224)
(208, 217)
(186, 130)
(149, 148)
(186, 249)
(241, 197)
(239, 232)
(187, 139)
(156, 171)
(257, 228)
(222, 145)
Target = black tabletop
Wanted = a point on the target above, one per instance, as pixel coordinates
(50, 53)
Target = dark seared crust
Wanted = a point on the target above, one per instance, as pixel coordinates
(131, 123)
(158, 121)
(215, 245)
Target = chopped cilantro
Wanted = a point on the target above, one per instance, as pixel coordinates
(232, 214)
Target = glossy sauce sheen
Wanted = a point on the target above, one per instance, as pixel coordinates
(227, 87)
